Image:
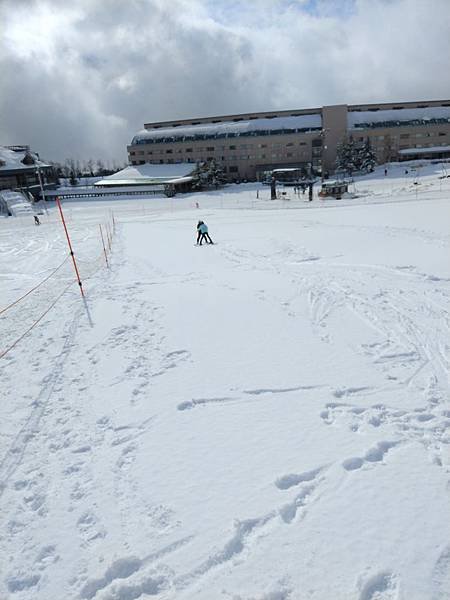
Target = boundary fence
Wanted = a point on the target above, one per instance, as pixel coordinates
(97, 263)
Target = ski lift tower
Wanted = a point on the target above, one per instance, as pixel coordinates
(273, 188)
(310, 181)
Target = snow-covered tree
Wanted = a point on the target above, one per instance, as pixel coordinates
(346, 156)
(209, 174)
(353, 157)
(73, 178)
(366, 158)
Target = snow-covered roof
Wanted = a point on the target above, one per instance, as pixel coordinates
(286, 169)
(12, 160)
(432, 149)
(231, 128)
(358, 119)
(334, 182)
(149, 174)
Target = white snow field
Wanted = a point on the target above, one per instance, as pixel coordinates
(266, 418)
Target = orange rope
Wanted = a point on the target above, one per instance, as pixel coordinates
(2, 354)
(14, 344)
(33, 289)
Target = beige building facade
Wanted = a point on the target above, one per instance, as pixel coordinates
(248, 145)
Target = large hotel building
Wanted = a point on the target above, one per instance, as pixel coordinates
(249, 144)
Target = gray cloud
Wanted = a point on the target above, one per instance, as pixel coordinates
(80, 78)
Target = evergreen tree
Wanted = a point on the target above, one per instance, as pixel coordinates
(352, 157)
(73, 179)
(209, 174)
(367, 158)
(346, 156)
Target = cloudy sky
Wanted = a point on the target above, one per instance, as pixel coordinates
(80, 78)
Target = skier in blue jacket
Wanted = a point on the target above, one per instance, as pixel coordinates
(203, 234)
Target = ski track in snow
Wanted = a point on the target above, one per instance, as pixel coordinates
(50, 468)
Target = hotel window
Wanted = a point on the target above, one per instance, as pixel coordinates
(210, 148)
(169, 151)
(232, 147)
(404, 136)
(233, 169)
(441, 133)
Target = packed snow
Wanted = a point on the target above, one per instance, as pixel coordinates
(264, 418)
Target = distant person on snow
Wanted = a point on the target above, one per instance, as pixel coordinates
(199, 233)
(36, 220)
(203, 234)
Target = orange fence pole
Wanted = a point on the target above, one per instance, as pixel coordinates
(70, 246)
(104, 249)
(109, 236)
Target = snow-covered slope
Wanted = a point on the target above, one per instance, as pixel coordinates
(266, 418)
